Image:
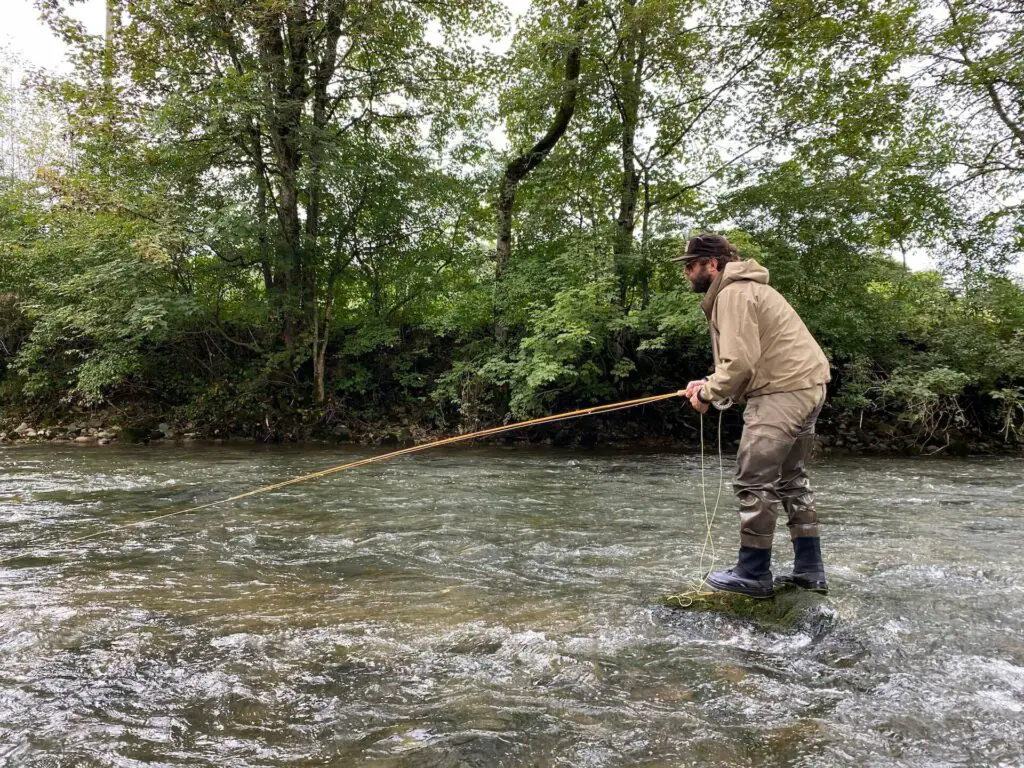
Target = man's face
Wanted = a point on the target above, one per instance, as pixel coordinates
(699, 274)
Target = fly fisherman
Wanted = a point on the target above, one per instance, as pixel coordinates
(765, 355)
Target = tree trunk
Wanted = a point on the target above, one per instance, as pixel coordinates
(522, 165)
(320, 354)
(321, 81)
(645, 238)
(631, 65)
(625, 222)
(284, 53)
(112, 18)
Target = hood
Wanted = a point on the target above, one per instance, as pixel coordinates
(735, 271)
(744, 270)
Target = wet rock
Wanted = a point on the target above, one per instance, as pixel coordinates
(562, 438)
(84, 439)
(472, 643)
(3, 437)
(535, 435)
(30, 433)
(104, 441)
(135, 434)
(105, 434)
(21, 429)
(792, 609)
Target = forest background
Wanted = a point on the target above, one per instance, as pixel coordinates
(382, 219)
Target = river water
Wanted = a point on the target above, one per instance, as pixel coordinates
(493, 607)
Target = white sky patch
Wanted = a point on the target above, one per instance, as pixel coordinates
(25, 33)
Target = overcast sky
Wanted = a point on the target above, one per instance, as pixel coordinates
(31, 39)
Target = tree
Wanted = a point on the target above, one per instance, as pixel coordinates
(263, 108)
(971, 57)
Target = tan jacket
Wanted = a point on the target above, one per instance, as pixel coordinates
(761, 345)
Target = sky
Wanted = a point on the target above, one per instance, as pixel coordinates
(26, 34)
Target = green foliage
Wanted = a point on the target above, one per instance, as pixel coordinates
(100, 299)
(275, 217)
(929, 399)
(568, 346)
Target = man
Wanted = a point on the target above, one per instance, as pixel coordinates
(765, 355)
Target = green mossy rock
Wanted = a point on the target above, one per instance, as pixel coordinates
(791, 609)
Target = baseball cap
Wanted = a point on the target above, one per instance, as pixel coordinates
(704, 246)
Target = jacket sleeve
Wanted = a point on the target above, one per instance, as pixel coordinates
(739, 344)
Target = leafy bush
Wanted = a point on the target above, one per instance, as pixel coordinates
(928, 400)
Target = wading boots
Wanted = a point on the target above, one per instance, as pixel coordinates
(808, 568)
(751, 576)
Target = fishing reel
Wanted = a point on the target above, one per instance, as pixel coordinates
(722, 404)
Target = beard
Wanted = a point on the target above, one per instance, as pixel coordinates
(701, 283)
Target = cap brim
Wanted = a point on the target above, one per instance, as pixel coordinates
(687, 257)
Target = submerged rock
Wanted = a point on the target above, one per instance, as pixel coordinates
(791, 608)
(135, 434)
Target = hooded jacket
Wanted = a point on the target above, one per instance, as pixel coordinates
(760, 344)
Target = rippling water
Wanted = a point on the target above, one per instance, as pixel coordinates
(493, 607)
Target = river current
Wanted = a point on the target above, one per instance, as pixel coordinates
(494, 607)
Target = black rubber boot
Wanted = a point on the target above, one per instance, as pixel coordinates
(808, 568)
(751, 575)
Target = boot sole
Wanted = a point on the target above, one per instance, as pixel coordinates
(756, 596)
(782, 583)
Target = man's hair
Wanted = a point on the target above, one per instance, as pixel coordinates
(712, 247)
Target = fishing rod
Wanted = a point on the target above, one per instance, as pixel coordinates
(592, 411)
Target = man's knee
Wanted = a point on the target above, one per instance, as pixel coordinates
(760, 458)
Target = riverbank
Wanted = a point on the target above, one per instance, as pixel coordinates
(666, 427)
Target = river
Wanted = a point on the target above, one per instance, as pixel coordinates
(492, 606)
